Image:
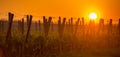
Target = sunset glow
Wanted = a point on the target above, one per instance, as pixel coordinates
(66, 8)
(93, 16)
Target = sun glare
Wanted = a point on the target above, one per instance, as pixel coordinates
(92, 16)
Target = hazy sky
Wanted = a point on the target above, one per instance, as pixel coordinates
(82, 8)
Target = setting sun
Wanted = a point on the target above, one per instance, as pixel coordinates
(93, 16)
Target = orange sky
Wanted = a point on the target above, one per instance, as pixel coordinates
(104, 8)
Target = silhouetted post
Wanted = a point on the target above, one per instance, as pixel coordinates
(71, 25)
(119, 22)
(22, 25)
(66, 26)
(36, 26)
(46, 25)
(19, 25)
(83, 26)
(76, 26)
(101, 24)
(39, 25)
(10, 20)
(110, 26)
(1, 25)
(82, 21)
(63, 24)
(8, 35)
(59, 26)
(110, 22)
(119, 25)
(29, 26)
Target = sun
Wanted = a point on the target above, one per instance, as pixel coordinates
(93, 16)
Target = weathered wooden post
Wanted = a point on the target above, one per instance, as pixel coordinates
(39, 24)
(1, 25)
(29, 26)
(61, 26)
(82, 21)
(76, 25)
(19, 25)
(110, 23)
(66, 26)
(101, 24)
(110, 27)
(83, 25)
(46, 25)
(36, 26)
(119, 22)
(119, 25)
(8, 35)
(10, 20)
(22, 26)
(71, 25)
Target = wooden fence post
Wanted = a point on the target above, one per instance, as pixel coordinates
(22, 25)
(36, 26)
(39, 23)
(110, 27)
(119, 25)
(71, 25)
(29, 26)
(101, 25)
(61, 26)
(8, 35)
(10, 20)
(2, 25)
(83, 25)
(46, 25)
(19, 25)
(82, 21)
(110, 23)
(76, 26)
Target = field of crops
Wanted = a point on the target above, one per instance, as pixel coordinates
(35, 39)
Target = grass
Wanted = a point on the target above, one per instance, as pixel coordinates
(88, 43)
